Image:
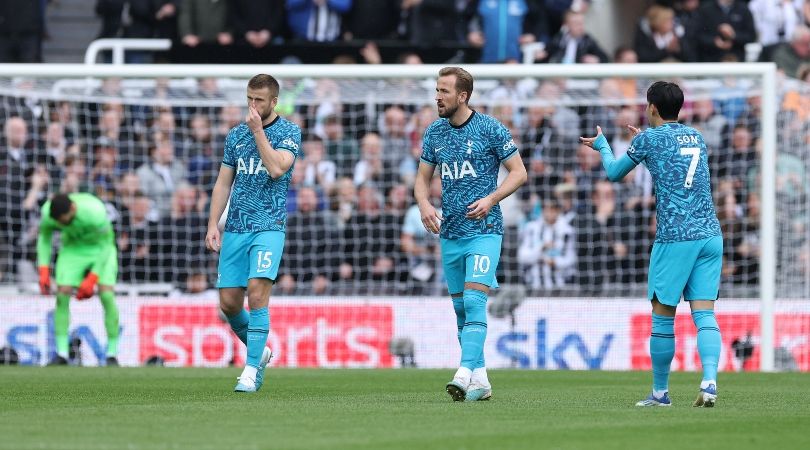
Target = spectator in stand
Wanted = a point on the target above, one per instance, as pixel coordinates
(317, 171)
(555, 11)
(161, 176)
(776, 20)
(204, 22)
(714, 127)
(317, 20)
(256, 23)
(735, 162)
(310, 253)
(547, 252)
(428, 23)
(395, 139)
(573, 44)
(372, 167)
(384, 15)
(371, 239)
(181, 236)
(55, 152)
(75, 175)
(110, 12)
(137, 242)
(343, 200)
(166, 18)
(686, 15)
(723, 27)
(340, 149)
(659, 37)
(165, 128)
(204, 157)
(601, 251)
(21, 31)
(790, 56)
(229, 116)
(421, 247)
(500, 28)
(585, 175)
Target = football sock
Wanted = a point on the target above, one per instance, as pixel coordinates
(458, 307)
(258, 329)
(239, 324)
(479, 374)
(110, 321)
(708, 342)
(61, 320)
(464, 374)
(662, 350)
(474, 333)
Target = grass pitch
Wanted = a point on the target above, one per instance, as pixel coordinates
(162, 408)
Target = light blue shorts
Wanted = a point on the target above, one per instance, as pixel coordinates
(472, 259)
(249, 255)
(690, 268)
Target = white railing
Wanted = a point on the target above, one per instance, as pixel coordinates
(119, 46)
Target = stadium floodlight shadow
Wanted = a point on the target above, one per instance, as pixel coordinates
(403, 348)
(504, 304)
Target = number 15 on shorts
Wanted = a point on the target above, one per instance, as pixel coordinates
(264, 261)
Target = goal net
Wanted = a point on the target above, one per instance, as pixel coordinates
(149, 142)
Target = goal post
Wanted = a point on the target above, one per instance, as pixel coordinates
(763, 76)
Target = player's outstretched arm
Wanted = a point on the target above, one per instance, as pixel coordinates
(421, 193)
(479, 209)
(219, 198)
(616, 168)
(276, 162)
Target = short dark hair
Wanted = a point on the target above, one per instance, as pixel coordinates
(667, 98)
(464, 81)
(60, 205)
(262, 81)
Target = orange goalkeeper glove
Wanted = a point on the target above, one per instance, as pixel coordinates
(44, 280)
(87, 287)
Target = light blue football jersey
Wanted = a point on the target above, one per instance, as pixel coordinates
(468, 158)
(678, 161)
(259, 202)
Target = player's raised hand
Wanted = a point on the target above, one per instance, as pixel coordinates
(589, 141)
(430, 218)
(253, 119)
(633, 130)
(480, 208)
(212, 239)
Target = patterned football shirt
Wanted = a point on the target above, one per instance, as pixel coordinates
(468, 158)
(259, 202)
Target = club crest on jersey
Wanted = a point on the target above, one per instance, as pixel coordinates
(251, 168)
(456, 172)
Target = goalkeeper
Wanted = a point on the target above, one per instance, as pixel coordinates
(88, 257)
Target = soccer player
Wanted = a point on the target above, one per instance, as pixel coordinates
(88, 257)
(255, 174)
(688, 251)
(468, 148)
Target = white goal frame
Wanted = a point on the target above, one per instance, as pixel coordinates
(764, 72)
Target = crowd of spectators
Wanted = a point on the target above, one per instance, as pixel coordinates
(669, 30)
(352, 225)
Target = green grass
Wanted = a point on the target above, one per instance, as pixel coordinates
(161, 408)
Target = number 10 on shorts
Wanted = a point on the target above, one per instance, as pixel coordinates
(481, 264)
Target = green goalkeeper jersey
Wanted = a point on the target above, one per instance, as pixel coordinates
(90, 231)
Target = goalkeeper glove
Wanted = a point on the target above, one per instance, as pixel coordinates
(44, 280)
(87, 287)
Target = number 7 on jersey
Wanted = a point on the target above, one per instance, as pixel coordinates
(694, 152)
